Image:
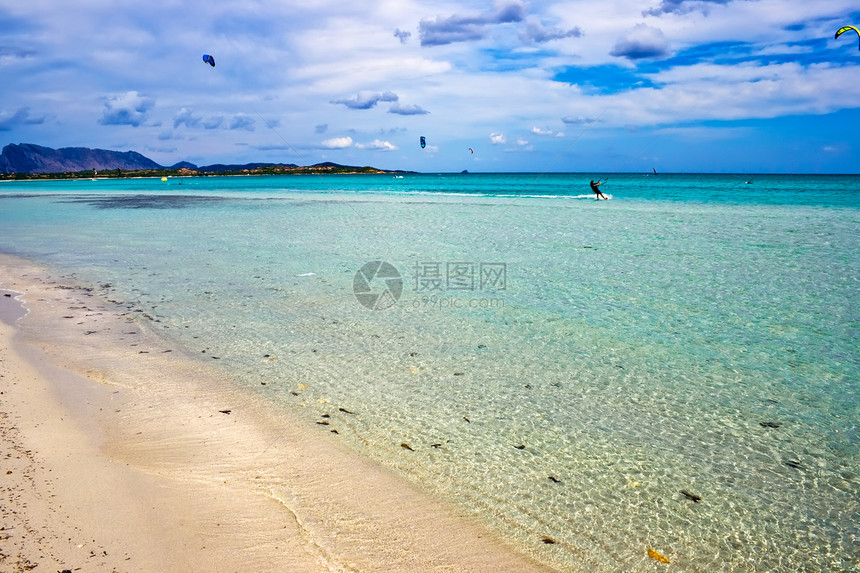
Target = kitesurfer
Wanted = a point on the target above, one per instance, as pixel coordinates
(594, 187)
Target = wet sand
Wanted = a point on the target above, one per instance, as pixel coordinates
(122, 454)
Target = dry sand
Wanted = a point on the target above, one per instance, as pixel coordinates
(117, 457)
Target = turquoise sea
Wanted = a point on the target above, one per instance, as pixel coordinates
(676, 368)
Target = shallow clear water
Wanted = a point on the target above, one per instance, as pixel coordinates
(562, 368)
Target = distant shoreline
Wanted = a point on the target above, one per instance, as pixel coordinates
(337, 170)
(324, 169)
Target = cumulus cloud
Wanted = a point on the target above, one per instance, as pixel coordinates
(20, 117)
(129, 108)
(537, 33)
(367, 100)
(407, 110)
(643, 41)
(242, 121)
(498, 138)
(377, 145)
(213, 122)
(402, 35)
(682, 7)
(547, 132)
(459, 28)
(740, 91)
(186, 116)
(337, 143)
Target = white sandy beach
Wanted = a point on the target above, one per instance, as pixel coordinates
(121, 454)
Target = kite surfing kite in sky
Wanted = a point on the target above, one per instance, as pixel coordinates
(209, 60)
(423, 142)
(845, 29)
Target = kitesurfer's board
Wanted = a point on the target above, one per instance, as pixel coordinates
(585, 196)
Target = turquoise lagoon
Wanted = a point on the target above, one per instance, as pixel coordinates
(674, 368)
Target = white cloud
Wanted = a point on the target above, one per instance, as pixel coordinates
(726, 92)
(459, 27)
(337, 143)
(9, 121)
(547, 132)
(367, 100)
(537, 33)
(377, 144)
(129, 108)
(186, 116)
(683, 7)
(213, 122)
(243, 122)
(400, 109)
(402, 35)
(643, 41)
(498, 138)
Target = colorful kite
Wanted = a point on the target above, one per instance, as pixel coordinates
(845, 29)
(209, 60)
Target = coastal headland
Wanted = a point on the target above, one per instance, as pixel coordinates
(28, 161)
(251, 169)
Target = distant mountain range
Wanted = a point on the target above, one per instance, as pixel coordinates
(28, 158)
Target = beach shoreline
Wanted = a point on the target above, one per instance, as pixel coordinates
(122, 454)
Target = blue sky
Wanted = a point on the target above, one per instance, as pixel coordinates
(614, 85)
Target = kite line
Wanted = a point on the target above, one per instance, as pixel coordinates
(282, 138)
